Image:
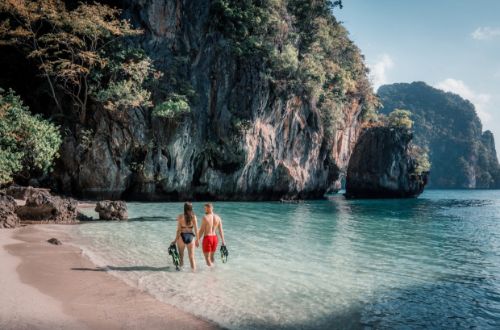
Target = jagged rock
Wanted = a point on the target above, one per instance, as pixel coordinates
(82, 217)
(42, 206)
(381, 166)
(54, 241)
(23, 192)
(8, 216)
(112, 210)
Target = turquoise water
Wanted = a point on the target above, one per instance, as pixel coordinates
(431, 262)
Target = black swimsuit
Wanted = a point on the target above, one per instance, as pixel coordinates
(187, 238)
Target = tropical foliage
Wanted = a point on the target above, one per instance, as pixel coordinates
(80, 52)
(421, 157)
(27, 142)
(400, 118)
(173, 108)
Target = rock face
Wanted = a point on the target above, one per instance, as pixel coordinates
(8, 216)
(461, 154)
(112, 210)
(381, 166)
(42, 206)
(246, 138)
(23, 192)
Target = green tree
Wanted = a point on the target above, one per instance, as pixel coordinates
(400, 118)
(421, 156)
(76, 51)
(173, 108)
(27, 142)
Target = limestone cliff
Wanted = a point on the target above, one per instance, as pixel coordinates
(382, 166)
(277, 93)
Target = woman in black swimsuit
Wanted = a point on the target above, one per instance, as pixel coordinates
(187, 227)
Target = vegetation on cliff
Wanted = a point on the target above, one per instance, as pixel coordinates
(176, 106)
(305, 49)
(81, 53)
(28, 143)
(462, 156)
(400, 118)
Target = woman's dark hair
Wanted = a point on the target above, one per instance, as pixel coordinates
(188, 213)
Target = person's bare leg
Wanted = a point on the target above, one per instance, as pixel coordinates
(181, 246)
(207, 259)
(190, 248)
(212, 257)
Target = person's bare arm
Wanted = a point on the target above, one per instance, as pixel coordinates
(202, 229)
(221, 232)
(178, 232)
(197, 242)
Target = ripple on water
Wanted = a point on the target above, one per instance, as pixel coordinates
(431, 262)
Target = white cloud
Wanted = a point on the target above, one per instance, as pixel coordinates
(484, 33)
(480, 100)
(378, 70)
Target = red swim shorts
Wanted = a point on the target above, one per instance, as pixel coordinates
(209, 243)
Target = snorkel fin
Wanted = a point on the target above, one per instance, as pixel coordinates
(172, 250)
(224, 253)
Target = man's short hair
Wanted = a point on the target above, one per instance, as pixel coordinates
(209, 205)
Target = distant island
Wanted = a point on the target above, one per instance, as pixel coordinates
(461, 154)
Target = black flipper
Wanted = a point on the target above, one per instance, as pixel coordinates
(224, 253)
(172, 250)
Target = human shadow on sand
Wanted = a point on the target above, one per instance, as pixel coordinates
(127, 269)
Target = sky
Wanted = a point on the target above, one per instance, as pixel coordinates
(453, 45)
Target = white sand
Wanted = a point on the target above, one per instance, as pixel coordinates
(23, 306)
(42, 286)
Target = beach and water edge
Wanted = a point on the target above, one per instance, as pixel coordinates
(48, 286)
(323, 264)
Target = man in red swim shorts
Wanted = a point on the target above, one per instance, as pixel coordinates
(209, 224)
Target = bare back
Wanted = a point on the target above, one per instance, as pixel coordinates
(212, 222)
(183, 224)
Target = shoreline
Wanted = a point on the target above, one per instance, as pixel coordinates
(78, 299)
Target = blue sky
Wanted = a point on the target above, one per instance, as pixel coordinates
(450, 44)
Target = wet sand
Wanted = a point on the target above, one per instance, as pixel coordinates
(47, 286)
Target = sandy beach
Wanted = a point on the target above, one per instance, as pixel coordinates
(47, 286)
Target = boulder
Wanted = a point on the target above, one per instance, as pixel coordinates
(42, 206)
(23, 192)
(8, 216)
(82, 217)
(381, 166)
(112, 210)
(54, 241)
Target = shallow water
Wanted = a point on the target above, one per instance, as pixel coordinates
(431, 262)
